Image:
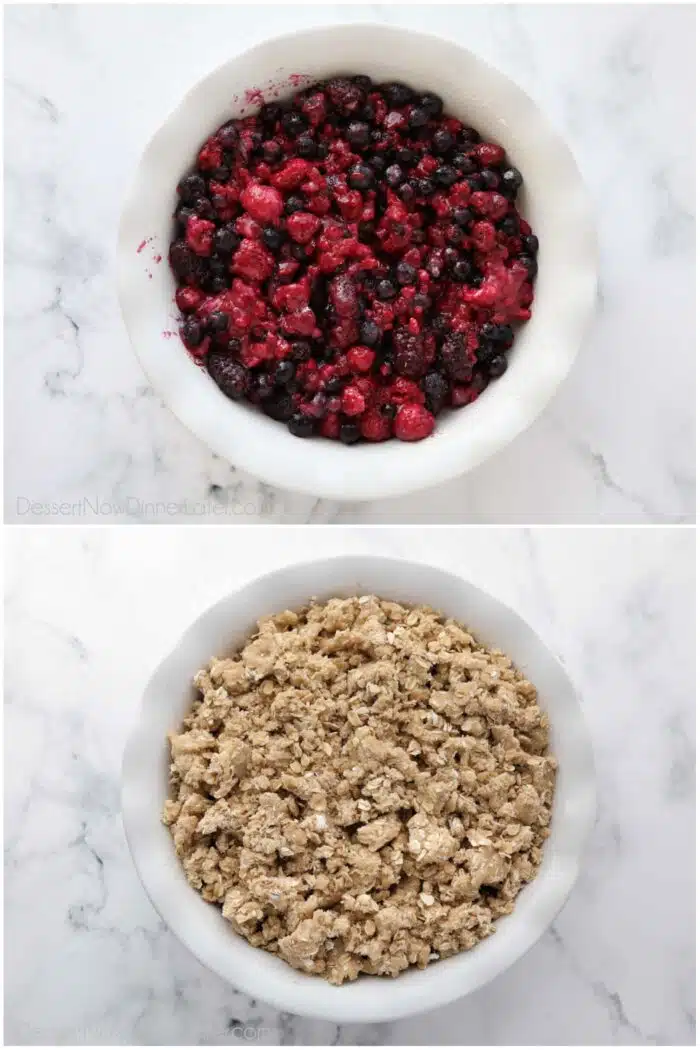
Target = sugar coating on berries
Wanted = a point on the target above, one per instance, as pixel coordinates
(352, 261)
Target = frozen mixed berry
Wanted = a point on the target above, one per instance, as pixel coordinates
(352, 261)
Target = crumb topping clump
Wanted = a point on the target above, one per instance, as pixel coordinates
(362, 788)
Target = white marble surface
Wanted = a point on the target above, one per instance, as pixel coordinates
(85, 88)
(89, 614)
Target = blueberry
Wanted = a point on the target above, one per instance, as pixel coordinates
(446, 175)
(530, 264)
(510, 225)
(463, 217)
(191, 187)
(306, 147)
(386, 289)
(417, 117)
(293, 123)
(279, 407)
(272, 238)
(358, 134)
(226, 240)
(217, 285)
(497, 366)
(462, 271)
(494, 338)
(360, 177)
(464, 163)
(511, 181)
(531, 244)
(475, 182)
(431, 103)
(393, 175)
(405, 273)
(220, 174)
(370, 333)
(191, 333)
(217, 321)
(334, 386)
(397, 95)
(490, 179)
(284, 372)
(436, 390)
(272, 152)
(230, 376)
(228, 135)
(423, 301)
(377, 163)
(426, 187)
(300, 426)
(349, 433)
(321, 151)
(294, 204)
(443, 140)
(388, 410)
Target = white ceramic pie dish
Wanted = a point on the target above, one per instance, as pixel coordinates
(202, 928)
(555, 203)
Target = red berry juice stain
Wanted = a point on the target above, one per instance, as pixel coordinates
(143, 244)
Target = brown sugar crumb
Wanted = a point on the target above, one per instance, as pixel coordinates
(362, 788)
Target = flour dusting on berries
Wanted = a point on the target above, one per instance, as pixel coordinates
(351, 260)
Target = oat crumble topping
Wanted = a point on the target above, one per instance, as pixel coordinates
(362, 788)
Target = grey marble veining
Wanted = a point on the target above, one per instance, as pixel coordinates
(86, 86)
(89, 614)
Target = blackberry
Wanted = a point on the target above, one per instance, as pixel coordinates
(229, 375)
(191, 187)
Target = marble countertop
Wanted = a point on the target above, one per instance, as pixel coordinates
(89, 614)
(85, 88)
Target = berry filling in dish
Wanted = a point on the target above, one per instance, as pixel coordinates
(352, 261)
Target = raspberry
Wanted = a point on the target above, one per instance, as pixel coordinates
(301, 226)
(188, 299)
(291, 175)
(253, 261)
(360, 358)
(374, 426)
(200, 235)
(209, 156)
(263, 203)
(413, 423)
(352, 402)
